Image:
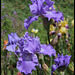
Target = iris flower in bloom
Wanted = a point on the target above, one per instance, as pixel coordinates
(33, 45)
(61, 62)
(27, 49)
(42, 8)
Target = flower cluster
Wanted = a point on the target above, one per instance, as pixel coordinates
(60, 29)
(26, 48)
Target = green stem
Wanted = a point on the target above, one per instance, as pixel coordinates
(48, 34)
(12, 72)
(49, 43)
(48, 37)
(50, 65)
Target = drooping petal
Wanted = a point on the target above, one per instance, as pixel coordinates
(26, 66)
(47, 50)
(57, 16)
(11, 48)
(27, 62)
(54, 67)
(29, 21)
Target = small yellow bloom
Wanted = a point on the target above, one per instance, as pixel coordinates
(63, 30)
(36, 31)
(72, 22)
(33, 30)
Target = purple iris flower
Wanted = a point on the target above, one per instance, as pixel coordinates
(27, 49)
(32, 44)
(43, 8)
(12, 40)
(61, 62)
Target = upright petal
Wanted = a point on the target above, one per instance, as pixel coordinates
(33, 8)
(49, 3)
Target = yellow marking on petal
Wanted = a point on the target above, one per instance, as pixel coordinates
(50, 8)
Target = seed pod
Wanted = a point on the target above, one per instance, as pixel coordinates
(54, 41)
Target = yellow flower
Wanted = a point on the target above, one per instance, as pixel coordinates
(52, 28)
(63, 30)
(72, 22)
(33, 30)
(36, 31)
